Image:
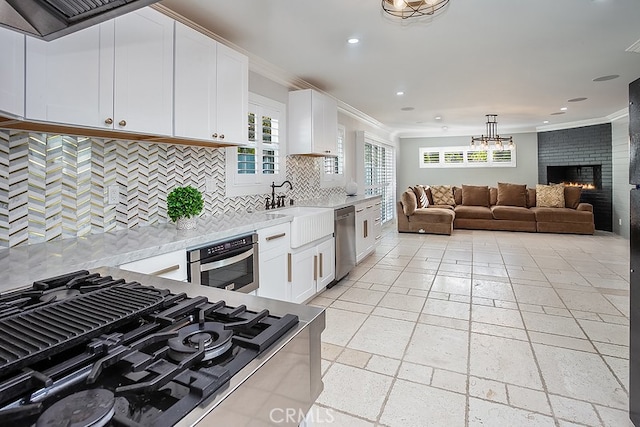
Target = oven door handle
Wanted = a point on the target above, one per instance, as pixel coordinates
(225, 262)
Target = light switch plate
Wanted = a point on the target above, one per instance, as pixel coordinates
(113, 197)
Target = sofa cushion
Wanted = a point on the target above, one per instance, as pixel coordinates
(550, 196)
(449, 207)
(562, 215)
(442, 195)
(434, 215)
(512, 195)
(457, 195)
(513, 213)
(427, 191)
(531, 197)
(474, 195)
(409, 202)
(421, 196)
(493, 196)
(572, 196)
(473, 212)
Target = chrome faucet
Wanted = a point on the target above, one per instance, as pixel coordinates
(273, 194)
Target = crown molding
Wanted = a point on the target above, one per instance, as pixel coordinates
(620, 114)
(576, 124)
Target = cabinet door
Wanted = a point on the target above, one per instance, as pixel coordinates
(143, 95)
(326, 264)
(232, 94)
(70, 80)
(195, 84)
(303, 274)
(273, 276)
(12, 72)
(361, 242)
(330, 126)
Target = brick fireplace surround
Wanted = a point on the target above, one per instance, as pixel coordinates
(587, 147)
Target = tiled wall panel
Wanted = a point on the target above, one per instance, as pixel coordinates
(56, 186)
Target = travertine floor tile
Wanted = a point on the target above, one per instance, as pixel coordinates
(402, 302)
(457, 310)
(552, 324)
(411, 405)
(382, 336)
(525, 398)
(496, 316)
(574, 410)
(606, 332)
(579, 375)
(362, 296)
(485, 414)
(355, 391)
(438, 347)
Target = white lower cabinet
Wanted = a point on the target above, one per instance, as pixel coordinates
(312, 268)
(273, 249)
(172, 265)
(368, 227)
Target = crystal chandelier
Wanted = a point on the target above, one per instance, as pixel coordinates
(492, 136)
(412, 8)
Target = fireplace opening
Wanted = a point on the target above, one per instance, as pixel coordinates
(589, 177)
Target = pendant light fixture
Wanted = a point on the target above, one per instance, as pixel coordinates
(492, 137)
(405, 9)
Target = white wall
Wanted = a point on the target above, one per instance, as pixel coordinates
(409, 171)
(621, 186)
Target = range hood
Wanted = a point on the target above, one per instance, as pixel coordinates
(51, 19)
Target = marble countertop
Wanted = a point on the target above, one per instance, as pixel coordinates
(22, 265)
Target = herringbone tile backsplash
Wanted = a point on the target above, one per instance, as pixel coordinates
(55, 186)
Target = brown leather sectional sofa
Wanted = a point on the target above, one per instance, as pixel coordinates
(509, 207)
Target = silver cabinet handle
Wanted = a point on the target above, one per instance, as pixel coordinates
(366, 228)
(166, 270)
(360, 210)
(315, 267)
(122, 123)
(222, 136)
(215, 135)
(275, 236)
(320, 264)
(108, 121)
(289, 267)
(224, 262)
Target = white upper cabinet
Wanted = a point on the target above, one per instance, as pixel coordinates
(116, 75)
(313, 123)
(211, 89)
(12, 72)
(232, 88)
(70, 80)
(143, 88)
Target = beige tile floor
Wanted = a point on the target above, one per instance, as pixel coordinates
(479, 329)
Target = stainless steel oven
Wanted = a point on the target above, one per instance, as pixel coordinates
(231, 264)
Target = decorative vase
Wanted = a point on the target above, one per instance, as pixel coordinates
(351, 188)
(186, 223)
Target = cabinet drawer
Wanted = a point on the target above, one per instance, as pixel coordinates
(276, 237)
(172, 265)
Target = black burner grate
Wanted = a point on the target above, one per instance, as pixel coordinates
(30, 336)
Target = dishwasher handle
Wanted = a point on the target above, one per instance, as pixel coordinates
(345, 212)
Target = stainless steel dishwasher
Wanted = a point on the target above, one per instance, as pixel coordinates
(345, 237)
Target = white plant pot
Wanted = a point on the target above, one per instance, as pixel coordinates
(186, 223)
(351, 188)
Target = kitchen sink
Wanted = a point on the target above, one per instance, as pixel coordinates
(308, 224)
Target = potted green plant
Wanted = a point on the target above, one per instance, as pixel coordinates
(184, 204)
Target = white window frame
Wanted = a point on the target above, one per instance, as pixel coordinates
(386, 188)
(249, 184)
(335, 179)
(465, 162)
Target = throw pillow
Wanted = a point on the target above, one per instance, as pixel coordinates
(512, 195)
(409, 203)
(442, 195)
(531, 197)
(427, 191)
(457, 195)
(549, 196)
(572, 196)
(475, 195)
(421, 196)
(493, 196)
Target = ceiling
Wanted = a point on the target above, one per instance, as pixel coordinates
(522, 60)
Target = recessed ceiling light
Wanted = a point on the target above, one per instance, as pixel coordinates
(444, 128)
(557, 113)
(399, 93)
(605, 78)
(407, 108)
(563, 109)
(582, 98)
(437, 118)
(353, 40)
(545, 122)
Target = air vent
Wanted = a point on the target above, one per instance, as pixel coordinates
(634, 47)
